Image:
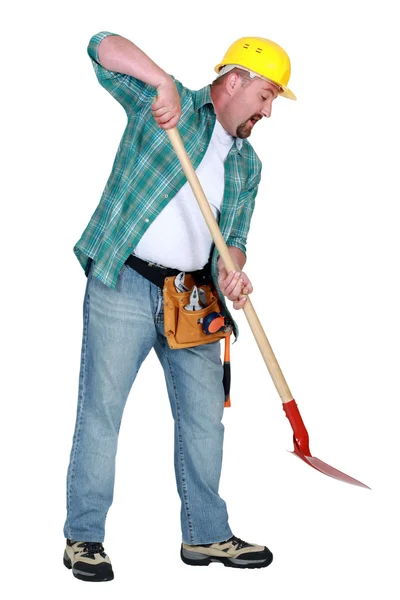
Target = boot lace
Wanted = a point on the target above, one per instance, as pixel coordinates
(238, 543)
(92, 547)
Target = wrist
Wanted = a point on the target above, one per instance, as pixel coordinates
(164, 80)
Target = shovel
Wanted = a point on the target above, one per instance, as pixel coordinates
(300, 435)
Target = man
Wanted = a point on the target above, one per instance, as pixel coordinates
(148, 226)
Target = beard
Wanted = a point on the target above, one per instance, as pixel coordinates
(244, 129)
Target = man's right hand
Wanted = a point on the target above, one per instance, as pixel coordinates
(166, 108)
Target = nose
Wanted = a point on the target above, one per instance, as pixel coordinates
(267, 109)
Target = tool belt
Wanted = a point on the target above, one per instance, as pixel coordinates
(188, 328)
(157, 273)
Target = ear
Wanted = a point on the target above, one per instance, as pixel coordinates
(232, 83)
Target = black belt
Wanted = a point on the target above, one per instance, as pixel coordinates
(156, 273)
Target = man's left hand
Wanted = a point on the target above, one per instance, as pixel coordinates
(233, 284)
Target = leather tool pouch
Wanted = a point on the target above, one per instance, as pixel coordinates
(184, 328)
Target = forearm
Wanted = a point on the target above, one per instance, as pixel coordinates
(238, 257)
(118, 54)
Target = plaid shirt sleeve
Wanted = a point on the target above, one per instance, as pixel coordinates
(244, 212)
(130, 92)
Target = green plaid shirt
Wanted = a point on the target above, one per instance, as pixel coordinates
(146, 174)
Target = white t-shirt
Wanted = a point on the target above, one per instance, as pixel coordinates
(179, 237)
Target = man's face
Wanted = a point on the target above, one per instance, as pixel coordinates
(247, 105)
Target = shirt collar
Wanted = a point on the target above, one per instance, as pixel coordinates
(202, 97)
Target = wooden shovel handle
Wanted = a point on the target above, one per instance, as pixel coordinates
(255, 325)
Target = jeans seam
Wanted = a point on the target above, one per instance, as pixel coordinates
(159, 314)
(82, 396)
(181, 455)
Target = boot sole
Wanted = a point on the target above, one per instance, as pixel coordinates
(104, 572)
(198, 560)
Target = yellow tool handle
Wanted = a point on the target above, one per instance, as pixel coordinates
(254, 322)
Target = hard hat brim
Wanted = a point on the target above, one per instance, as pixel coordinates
(283, 90)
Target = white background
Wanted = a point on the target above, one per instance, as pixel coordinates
(323, 256)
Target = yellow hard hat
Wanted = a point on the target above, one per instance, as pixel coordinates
(262, 58)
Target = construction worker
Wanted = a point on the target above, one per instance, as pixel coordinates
(147, 227)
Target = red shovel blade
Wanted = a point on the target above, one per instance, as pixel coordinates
(302, 450)
(326, 469)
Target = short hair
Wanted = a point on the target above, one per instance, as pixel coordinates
(244, 75)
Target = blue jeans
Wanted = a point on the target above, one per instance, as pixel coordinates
(120, 327)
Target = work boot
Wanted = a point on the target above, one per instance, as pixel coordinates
(88, 561)
(232, 553)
